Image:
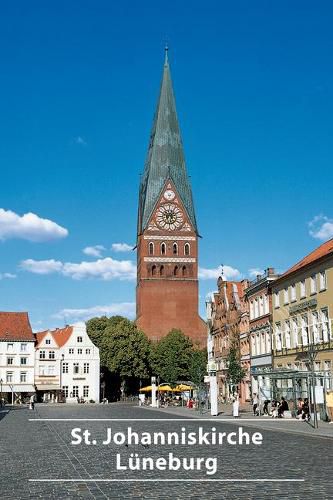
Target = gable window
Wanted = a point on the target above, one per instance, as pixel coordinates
(151, 248)
(87, 351)
(48, 341)
(313, 284)
(187, 249)
(322, 280)
(51, 355)
(79, 339)
(71, 350)
(163, 248)
(79, 351)
(286, 295)
(175, 249)
(42, 355)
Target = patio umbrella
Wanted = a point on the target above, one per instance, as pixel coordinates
(182, 388)
(145, 389)
(165, 388)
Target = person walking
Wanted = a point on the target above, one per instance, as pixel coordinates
(32, 402)
(235, 407)
(255, 404)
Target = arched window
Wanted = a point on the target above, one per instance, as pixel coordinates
(175, 271)
(151, 248)
(184, 270)
(153, 271)
(175, 249)
(187, 249)
(163, 248)
(162, 271)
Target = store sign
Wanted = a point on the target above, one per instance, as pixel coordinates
(303, 305)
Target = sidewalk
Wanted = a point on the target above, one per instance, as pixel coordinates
(325, 430)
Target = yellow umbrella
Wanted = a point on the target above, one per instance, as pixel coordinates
(164, 388)
(182, 388)
(145, 389)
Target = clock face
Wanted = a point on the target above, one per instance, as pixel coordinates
(169, 216)
(169, 195)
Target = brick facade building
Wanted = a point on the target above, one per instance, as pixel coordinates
(167, 236)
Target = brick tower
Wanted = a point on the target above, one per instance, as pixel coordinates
(167, 239)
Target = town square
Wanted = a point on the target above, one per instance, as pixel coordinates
(166, 234)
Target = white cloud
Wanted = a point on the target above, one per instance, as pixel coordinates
(255, 271)
(41, 266)
(29, 227)
(80, 140)
(121, 247)
(9, 276)
(94, 251)
(229, 273)
(321, 227)
(105, 269)
(126, 309)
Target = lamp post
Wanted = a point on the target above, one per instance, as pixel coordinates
(60, 378)
(1, 382)
(312, 353)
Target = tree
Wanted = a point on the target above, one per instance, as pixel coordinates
(171, 357)
(128, 350)
(235, 371)
(198, 366)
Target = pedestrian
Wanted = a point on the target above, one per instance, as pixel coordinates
(274, 409)
(255, 404)
(235, 407)
(306, 410)
(32, 402)
(283, 406)
(265, 408)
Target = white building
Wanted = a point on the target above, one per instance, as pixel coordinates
(17, 356)
(67, 365)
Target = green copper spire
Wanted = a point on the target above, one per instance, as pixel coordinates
(165, 159)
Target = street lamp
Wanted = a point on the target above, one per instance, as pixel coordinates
(60, 378)
(1, 382)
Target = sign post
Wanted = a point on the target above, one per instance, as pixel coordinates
(211, 369)
(153, 392)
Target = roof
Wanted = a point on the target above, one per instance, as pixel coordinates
(323, 250)
(60, 335)
(15, 326)
(165, 158)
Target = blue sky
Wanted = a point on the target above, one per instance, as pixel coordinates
(79, 83)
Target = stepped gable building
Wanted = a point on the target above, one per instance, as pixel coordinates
(167, 235)
(17, 356)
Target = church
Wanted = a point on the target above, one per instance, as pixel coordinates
(167, 235)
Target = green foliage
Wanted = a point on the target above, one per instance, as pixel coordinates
(175, 359)
(235, 372)
(198, 366)
(124, 349)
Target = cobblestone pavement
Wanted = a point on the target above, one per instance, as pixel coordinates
(43, 450)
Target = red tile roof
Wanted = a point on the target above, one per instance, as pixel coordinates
(322, 251)
(15, 326)
(60, 335)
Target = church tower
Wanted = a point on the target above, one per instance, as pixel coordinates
(167, 236)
